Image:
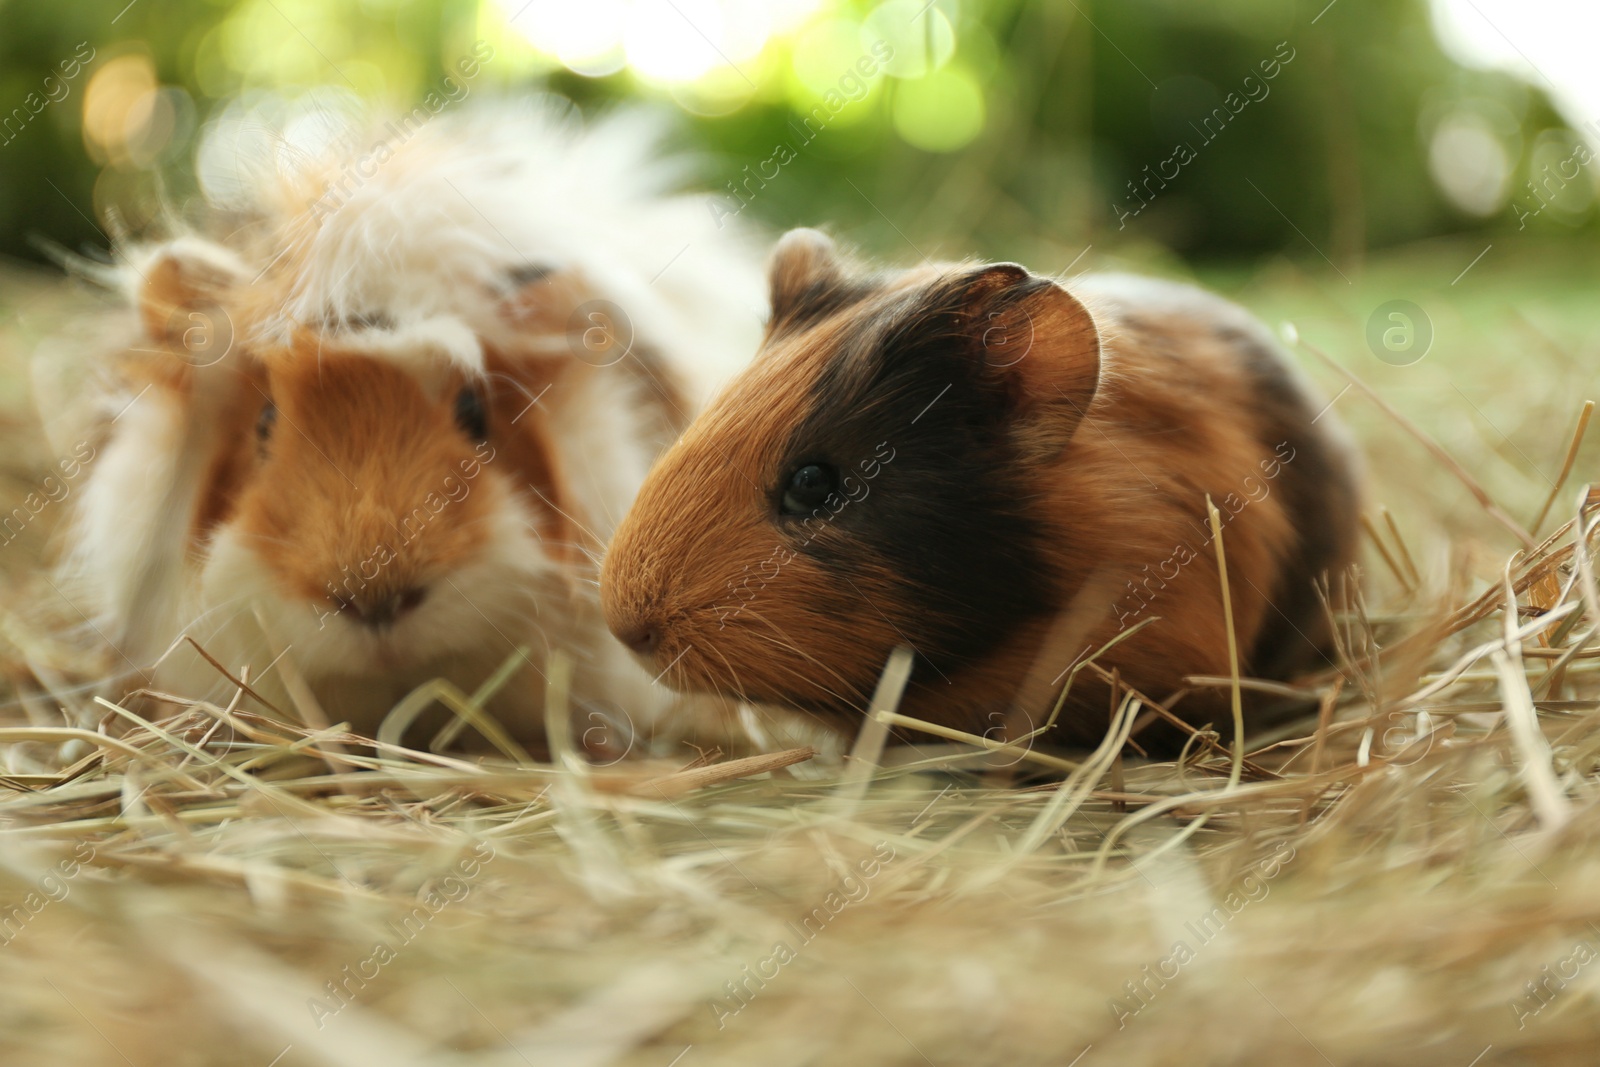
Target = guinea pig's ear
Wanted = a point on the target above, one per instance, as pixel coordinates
(184, 279)
(1043, 344)
(806, 267)
(554, 314)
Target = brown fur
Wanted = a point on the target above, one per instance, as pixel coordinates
(1121, 421)
(358, 448)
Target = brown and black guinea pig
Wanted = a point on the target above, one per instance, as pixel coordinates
(953, 456)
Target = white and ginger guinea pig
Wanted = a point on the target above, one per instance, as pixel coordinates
(401, 460)
(947, 457)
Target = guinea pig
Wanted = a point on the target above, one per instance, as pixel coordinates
(384, 428)
(951, 457)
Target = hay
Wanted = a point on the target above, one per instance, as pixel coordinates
(1410, 876)
(1390, 883)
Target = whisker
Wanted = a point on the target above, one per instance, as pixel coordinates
(783, 641)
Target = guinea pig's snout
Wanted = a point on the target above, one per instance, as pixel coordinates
(381, 608)
(631, 607)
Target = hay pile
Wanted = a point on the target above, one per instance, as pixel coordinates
(1412, 876)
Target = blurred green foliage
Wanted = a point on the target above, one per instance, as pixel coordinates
(1023, 128)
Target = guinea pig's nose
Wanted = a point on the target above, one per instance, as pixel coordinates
(380, 609)
(643, 637)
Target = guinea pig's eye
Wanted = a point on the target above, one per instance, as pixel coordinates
(471, 415)
(808, 488)
(265, 422)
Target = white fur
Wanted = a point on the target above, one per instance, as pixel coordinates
(424, 346)
(469, 197)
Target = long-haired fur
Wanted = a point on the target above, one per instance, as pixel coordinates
(384, 410)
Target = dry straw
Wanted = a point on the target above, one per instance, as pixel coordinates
(1410, 875)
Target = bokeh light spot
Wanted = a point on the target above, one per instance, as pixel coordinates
(117, 107)
(919, 32)
(822, 53)
(1469, 163)
(674, 42)
(941, 112)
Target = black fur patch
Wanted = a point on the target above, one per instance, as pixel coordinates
(947, 513)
